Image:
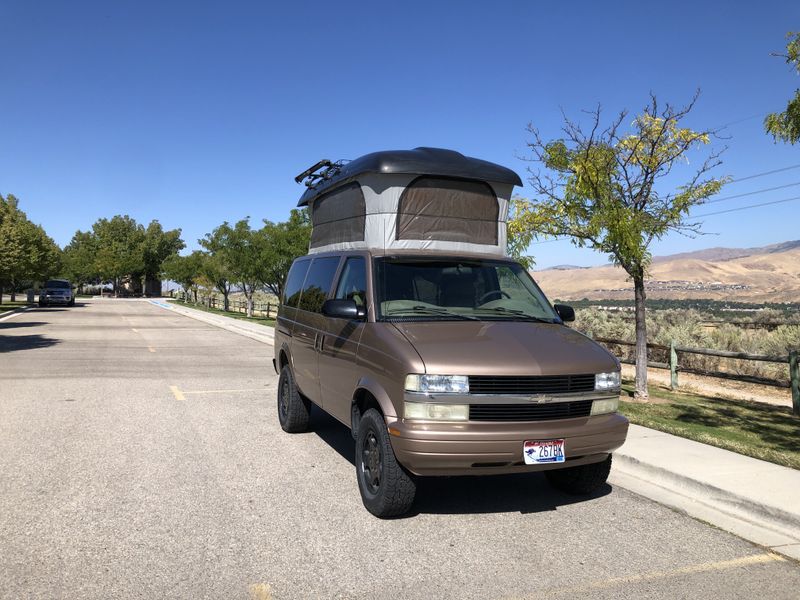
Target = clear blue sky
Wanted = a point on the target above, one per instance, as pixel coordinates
(198, 112)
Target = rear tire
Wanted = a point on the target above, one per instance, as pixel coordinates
(580, 480)
(387, 489)
(293, 409)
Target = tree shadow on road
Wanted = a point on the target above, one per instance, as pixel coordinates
(522, 493)
(16, 324)
(11, 343)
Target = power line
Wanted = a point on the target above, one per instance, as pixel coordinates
(765, 173)
(711, 214)
(720, 212)
(772, 189)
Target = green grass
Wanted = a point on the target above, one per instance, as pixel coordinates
(754, 429)
(7, 306)
(234, 315)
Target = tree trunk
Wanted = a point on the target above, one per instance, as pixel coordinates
(1, 293)
(13, 291)
(641, 338)
(116, 287)
(226, 305)
(249, 296)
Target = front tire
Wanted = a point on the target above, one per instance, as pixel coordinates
(581, 480)
(387, 489)
(293, 409)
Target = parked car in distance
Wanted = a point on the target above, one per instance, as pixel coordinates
(56, 291)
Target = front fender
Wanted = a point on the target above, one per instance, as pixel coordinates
(380, 394)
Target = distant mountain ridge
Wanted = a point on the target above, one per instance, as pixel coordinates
(722, 254)
(766, 274)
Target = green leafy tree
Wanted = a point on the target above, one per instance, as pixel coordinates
(157, 246)
(284, 242)
(119, 254)
(215, 267)
(27, 253)
(245, 257)
(604, 189)
(785, 126)
(79, 259)
(185, 270)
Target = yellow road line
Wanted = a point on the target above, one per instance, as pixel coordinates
(688, 570)
(224, 391)
(260, 591)
(177, 393)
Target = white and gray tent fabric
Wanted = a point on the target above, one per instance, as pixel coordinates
(407, 211)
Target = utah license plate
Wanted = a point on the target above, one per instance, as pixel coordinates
(537, 452)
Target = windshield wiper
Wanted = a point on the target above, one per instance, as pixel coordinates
(517, 313)
(430, 310)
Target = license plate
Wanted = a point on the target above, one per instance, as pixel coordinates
(537, 452)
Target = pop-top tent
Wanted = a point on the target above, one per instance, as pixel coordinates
(426, 198)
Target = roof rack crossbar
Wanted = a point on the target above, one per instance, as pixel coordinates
(324, 169)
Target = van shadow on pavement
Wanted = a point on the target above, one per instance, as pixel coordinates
(523, 493)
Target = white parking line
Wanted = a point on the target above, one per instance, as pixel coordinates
(13, 314)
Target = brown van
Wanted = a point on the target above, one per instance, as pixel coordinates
(408, 324)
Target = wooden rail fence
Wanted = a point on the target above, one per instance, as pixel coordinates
(793, 361)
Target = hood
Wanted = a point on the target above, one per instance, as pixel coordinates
(505, 348)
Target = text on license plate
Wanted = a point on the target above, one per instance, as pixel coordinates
(543, 451)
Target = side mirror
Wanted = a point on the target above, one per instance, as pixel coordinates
(567, 313)
(343, 309)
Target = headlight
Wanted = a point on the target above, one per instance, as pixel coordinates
(607, 381)
(438, 384)
(427, 411)
(603, 407)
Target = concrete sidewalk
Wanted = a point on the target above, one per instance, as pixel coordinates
(751, 498)
(261, 333)
(757, 500)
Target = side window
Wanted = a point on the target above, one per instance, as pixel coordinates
(353, 282)
(294, 281)
(318, 283)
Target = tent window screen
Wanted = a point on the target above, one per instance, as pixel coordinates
(338, 216)
(452, 210)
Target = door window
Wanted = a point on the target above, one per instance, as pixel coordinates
(294, 282)
(318, 283)
(353, 282)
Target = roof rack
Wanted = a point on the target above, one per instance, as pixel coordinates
(320, 171)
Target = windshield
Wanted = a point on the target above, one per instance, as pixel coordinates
(54, 283)
(411, 289)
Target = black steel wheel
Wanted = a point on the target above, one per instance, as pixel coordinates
(387, 489)
(293, 409)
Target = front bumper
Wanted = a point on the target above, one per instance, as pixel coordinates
(477, 448)
(55, 300)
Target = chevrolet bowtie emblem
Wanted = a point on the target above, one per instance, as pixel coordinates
(539, 398)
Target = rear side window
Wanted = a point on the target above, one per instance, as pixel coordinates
(318, 283)
(294, 281)
(353, 282)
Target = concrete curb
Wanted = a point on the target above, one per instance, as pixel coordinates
(14, 311)
(736, 504)
(732, 511)
(267, 336)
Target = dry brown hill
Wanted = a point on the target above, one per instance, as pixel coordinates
(770, 274)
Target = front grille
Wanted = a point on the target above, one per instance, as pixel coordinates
(524, 385)
(530, 412)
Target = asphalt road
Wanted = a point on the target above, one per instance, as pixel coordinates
(141, 457)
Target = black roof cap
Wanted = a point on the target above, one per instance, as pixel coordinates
(419, 161)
